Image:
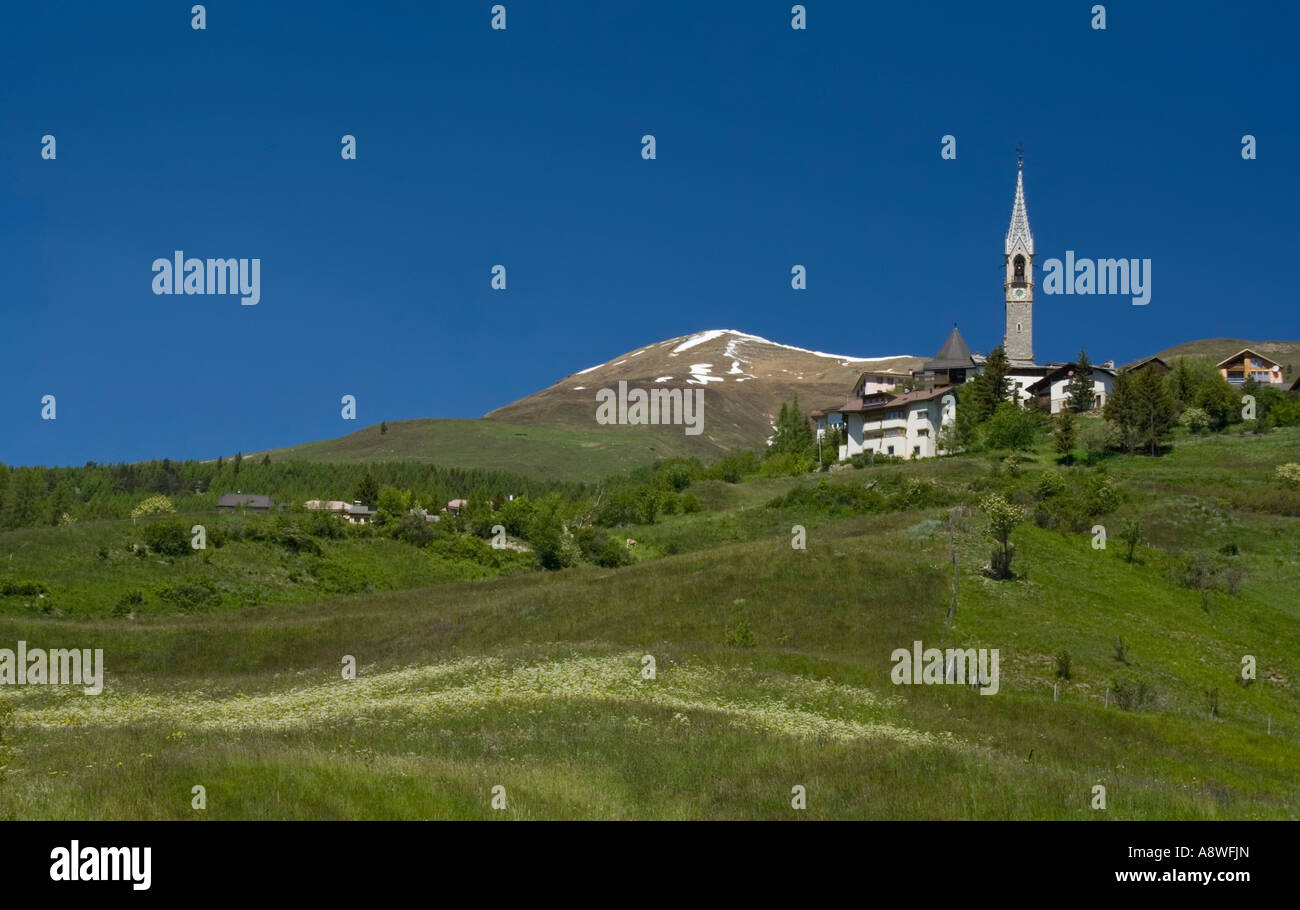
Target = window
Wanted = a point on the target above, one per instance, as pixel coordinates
(916, 450)
(924, 432)
(1020, 267)
(891, 450)
(893, 415)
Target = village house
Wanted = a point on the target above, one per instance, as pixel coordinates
(359, 514)
(1052, 392)
(352, 512)
(251, 502)
(905, 425)
(1247, 364)
(336, 506)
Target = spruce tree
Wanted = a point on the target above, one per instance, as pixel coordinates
(1155, 410)
(1065, 435)
(1121, 409)
(1081, 395)
(992, 386)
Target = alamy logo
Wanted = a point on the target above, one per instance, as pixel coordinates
(955, 666)
(76, 863)
(179, 275)
(638, 407)
(57, 667)
(1128, 277)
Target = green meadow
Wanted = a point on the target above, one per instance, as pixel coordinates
(771, 665)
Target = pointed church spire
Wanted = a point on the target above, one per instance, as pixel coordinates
(1018, 234)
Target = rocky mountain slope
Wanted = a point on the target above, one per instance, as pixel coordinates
(745, 379)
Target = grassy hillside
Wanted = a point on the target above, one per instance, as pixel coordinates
(533, 451)
(1286, 353)
(772, 668)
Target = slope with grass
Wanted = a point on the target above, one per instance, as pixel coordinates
(579, 453)
(772, 669)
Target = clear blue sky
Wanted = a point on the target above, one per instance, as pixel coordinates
(478, 147)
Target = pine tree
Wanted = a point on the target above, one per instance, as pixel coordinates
(1155, 410)
(367, 491)
(1081, 395)
(1065, 435)
(1121, 409)
(792, 431)
(992, 386)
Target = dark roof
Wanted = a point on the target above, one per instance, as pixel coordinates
(953, 355)
(907, 398)
(864, 403)
(1138, 364)
(251, 500)
(360, 510)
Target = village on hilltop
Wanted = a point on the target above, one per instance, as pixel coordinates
(903, 414)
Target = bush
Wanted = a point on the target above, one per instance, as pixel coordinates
(296, 540)
(1012, 427)
(414, 528)
(1197, 420)
(167, 537)
(154, 505)
(735, 467)
(1063, 665)
(1096, 438)
(129, 603)
(1051, 483)
(613, 554)
(739, 632)
(786, 464)
(189, 596)
(1288, 474)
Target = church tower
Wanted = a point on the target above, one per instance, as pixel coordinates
(1019, 283)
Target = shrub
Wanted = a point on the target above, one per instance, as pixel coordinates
(786, 464)
(1288, 474)
(735, 467)
(167, 537)
(739, 632)
(414, 528)
(1002, 520)
(1132, 693)
(1063, 665)
(1131, 534)
(1012, 427)
(1195, 419)
(154, 505)
(128, 603)
(189, 596)
(1051, 483)
(613, 554)
(1096, 438)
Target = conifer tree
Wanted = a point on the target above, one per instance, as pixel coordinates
(1081, 395)
(991, 387)
(1065, 435)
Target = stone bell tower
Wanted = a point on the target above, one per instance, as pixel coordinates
(1019, 284)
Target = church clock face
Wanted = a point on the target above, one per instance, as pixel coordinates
(1018, 293)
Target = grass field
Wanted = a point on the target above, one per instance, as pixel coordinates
(772, 670)
(534, 451)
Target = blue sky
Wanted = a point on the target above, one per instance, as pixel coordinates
(477, 147)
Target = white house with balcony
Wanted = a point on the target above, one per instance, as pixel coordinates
(905, 425)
